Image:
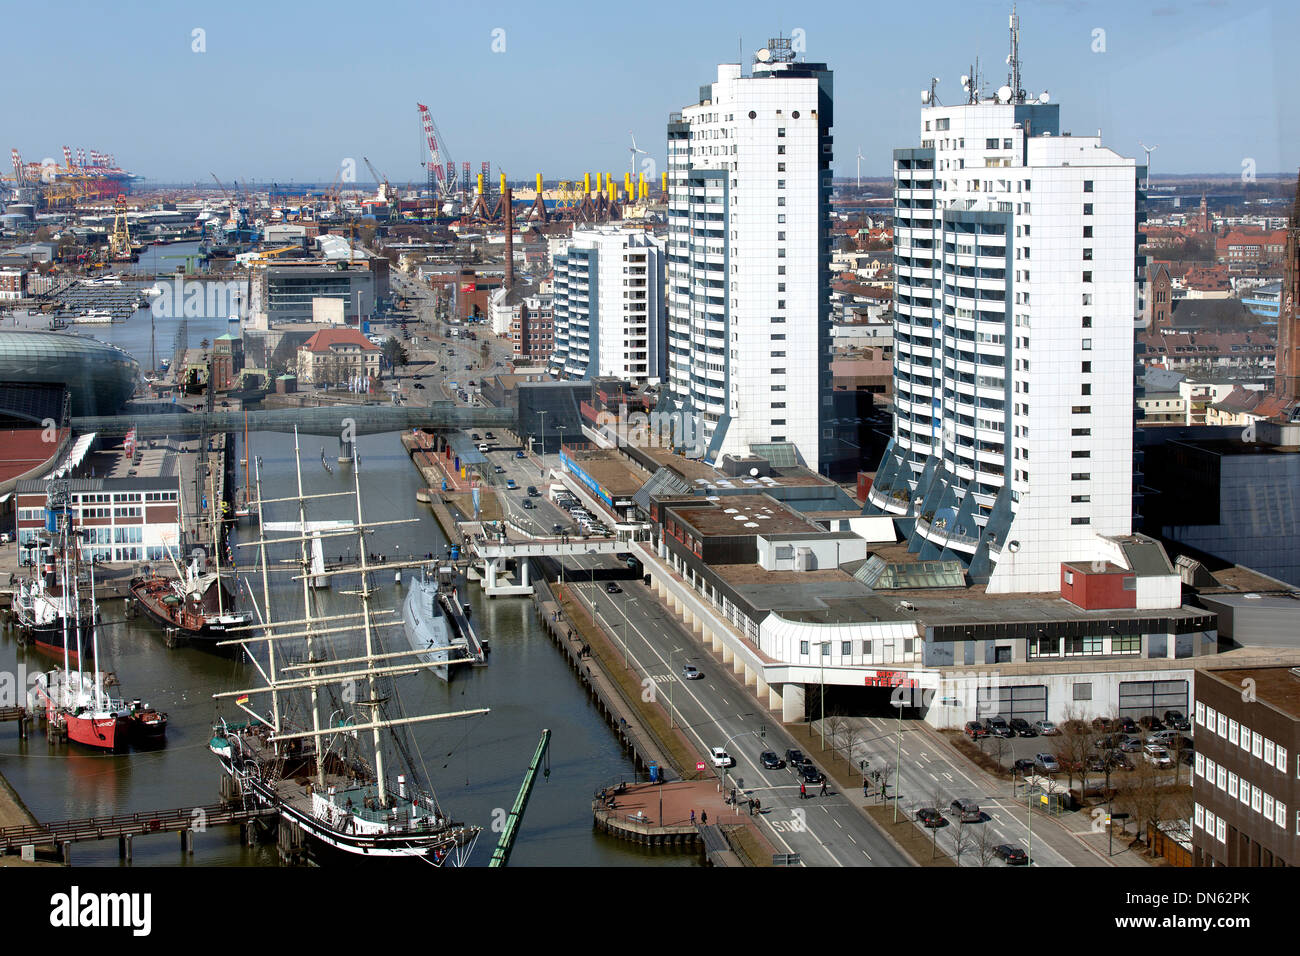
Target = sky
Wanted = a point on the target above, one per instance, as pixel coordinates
(292, 91)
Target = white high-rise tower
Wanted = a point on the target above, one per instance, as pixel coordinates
(1018, 287)
(749, 257)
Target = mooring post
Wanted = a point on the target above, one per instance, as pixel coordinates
(187, 841)
(124, 846)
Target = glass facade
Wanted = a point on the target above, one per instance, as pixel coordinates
(100, 377)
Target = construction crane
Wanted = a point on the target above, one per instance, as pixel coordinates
(439, 182)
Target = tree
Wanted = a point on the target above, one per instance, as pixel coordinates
(1143, 796)
(986, 846)
(963, 838)
(1074, 747)
(394, 352)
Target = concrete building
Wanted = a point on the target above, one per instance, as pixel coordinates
(1245, 787)
(748, 252)
(1017, 296)
(284, 292)
(121, 519)
(610, 315)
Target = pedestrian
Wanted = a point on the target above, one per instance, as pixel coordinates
(704, 818)
(823, 791)
(864, 786)
(692, 818)
(803, 792)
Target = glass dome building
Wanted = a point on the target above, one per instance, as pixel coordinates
(100, 377)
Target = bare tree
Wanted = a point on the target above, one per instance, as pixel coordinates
(963, 839)
(1074, 747)
(1142, 796)
(986, 846)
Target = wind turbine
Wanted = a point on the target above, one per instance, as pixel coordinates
(860, 158)
(1149, 150)
(633, 150)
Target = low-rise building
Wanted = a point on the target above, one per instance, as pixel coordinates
(121, 519)
(337, 357)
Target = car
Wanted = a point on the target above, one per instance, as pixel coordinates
(1103, 724)
(1176, 720)
(612, 588)
(511, 484)
(520, 454)
(483, 446)
(468, 366)
(498, 470)
(999, 727)
(1118, 761)
(1128, 725)
(1097, 763)
(1151, 723)
(975, 730)
(770, 760)
(557, 529)
(810, 774)
(532, 492)
(1024, 765)
(1156, 755)
(794, 759)
(721, 758)
(967, 810)
(1022, 727)
(528, 504)
(419, 385)
(1130, 744)
(1011, 854)
(489, 436)
(1047, 763)
(691, 672)
(473, 384)
(930, 818)
(1046, 728)
(1165, 738)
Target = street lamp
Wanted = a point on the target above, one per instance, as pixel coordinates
(821, 660)
(898, 757)
(673, 675)
(542, 467)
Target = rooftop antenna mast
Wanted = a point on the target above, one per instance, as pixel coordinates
(1017, 94)
(1148, 150)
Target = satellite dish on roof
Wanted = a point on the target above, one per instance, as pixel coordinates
(925, 96)
(764, 55)
(753, 472)
(1043, 97)
(1004, 94)
(965, 82)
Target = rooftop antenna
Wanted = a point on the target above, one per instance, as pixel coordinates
(1017, 94)
(860, 158)
(1148, 150)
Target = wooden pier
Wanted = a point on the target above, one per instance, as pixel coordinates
(125, 827)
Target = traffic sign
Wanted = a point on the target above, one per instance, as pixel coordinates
(699, 765)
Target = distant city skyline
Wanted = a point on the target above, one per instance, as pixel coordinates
(289, 93)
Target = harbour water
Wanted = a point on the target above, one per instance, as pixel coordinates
(475, 765)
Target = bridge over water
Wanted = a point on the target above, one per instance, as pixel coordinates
(325, 420)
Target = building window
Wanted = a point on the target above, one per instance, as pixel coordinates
(1087, 209)
(803, 647)
(1080, 521)
(1087, 185)
(1083, 691)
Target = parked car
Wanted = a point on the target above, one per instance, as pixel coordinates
(930, 817)
(483, 447)
(975, 730)
(475, 437)
(721, 758)
(1097, 763)
(1128, 725)
(489, 436)
(1130, 744)
(1022, 727)
(557, 529)
(967, 810)
(1024, 765)
(1011, 854)
(1165, 738)
(1176, 720)
(1118, 761)
(1104, 724)
(1159, 756)
(1151, 723)
(999, 727)
(1107, 742)
(691, 672)
(794, 759)
(1047, 763)
(1046, 728)
(770, 760)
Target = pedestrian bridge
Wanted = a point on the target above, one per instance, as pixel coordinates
(325, 420)
(495, 553)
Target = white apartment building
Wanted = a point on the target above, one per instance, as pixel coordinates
(749, 256)
(1018, 289)
(609, 305)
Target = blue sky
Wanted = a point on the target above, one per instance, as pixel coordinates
(288, 90)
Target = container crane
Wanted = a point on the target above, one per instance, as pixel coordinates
(440, 183)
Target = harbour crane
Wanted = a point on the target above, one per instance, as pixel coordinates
(439, 182)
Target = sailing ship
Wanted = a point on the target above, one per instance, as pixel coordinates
(320, 774)
(73, 699)
(198, 604)
(435, 621)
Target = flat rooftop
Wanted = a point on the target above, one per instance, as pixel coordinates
(701, 474)
(1278, 687)
(730, 515)
(610, 470)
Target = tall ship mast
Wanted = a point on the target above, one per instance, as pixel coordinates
(328, 775)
